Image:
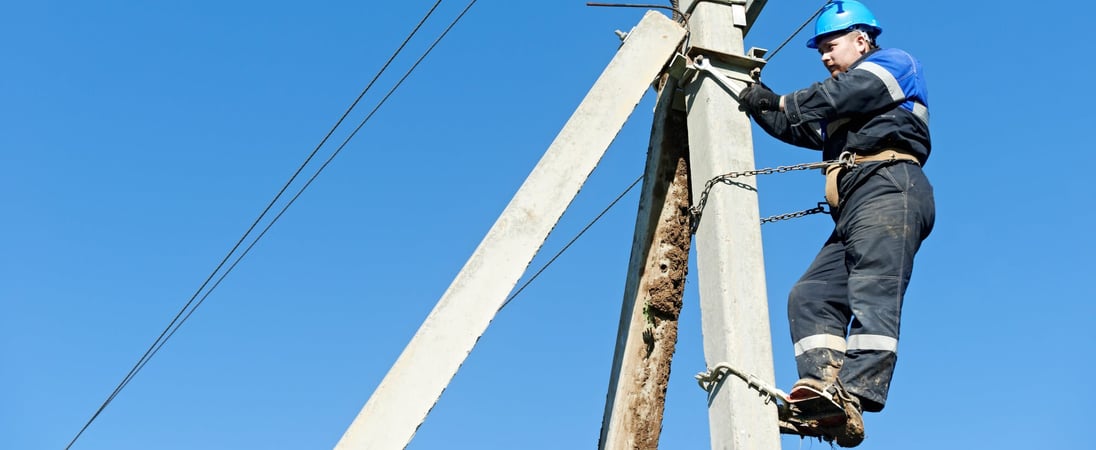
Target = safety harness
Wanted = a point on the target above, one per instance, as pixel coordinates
(848, 160)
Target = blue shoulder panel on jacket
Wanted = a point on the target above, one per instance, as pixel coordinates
(906, 71)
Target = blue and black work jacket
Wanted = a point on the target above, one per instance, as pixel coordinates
(880, 103)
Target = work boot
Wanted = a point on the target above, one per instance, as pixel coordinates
(852, 434)
(835, 415)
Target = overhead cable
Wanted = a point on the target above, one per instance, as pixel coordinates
(569, 243)
(770, 56)
(320, 169)
(193, 303)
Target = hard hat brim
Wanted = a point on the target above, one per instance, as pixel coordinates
(874, 32)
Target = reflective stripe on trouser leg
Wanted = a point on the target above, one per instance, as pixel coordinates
(818, 313)
(835, 343)
(882, 224)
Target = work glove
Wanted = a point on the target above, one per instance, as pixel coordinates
(757, 97)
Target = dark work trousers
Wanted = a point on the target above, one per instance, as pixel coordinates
(844, 312)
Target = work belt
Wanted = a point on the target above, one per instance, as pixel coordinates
(849, 160)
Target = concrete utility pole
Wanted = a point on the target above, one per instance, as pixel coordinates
(730, 266)
(412, 386)
(698, 134)
(714, 139)
(732, 284)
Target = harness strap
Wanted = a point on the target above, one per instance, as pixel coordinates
(833, 171)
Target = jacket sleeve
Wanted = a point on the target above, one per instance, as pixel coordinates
(776, 123)
(869, 86)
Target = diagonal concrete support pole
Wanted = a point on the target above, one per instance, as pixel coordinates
(414, 383)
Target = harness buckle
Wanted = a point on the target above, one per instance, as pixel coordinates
(847, 159)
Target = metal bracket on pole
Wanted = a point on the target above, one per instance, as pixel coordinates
(710, 380)
(738, 11)
(681, 70)
(679, 67)
(724, 68)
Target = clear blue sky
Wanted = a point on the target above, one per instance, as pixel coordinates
(142, 138)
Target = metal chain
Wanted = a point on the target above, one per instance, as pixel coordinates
(728, 178)
(821, 208)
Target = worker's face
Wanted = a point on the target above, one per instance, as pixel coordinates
(839, 52)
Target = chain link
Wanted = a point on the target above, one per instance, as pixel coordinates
(729, 179)
(821, 208)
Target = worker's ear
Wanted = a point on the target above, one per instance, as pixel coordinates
(863, 42)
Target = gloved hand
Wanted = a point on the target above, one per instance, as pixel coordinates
(757, 97)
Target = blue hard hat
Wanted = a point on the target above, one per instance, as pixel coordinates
(842, 15)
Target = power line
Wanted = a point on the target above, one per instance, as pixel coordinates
(187, 309)
(319, 170)
(770, 56)
(572, 241)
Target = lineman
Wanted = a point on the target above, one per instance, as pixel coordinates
(844, 312)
